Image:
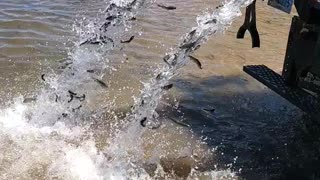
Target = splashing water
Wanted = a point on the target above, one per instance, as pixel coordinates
(55, 138)
(68, 94)
(50, 138)
(208, 25)
(109, 26)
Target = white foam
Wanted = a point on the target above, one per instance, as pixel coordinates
(35, 143)
(59, 151)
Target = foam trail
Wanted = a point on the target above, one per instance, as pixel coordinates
(208, 25)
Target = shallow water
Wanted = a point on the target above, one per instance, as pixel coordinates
(243, 138)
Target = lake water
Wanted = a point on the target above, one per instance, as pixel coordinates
(250, 135)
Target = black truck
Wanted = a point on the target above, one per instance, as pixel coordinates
(299, 82)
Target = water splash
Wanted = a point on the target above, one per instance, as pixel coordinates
(112, 22)
(53, 138)
(208, 25)
(61, 152)
(69, 93)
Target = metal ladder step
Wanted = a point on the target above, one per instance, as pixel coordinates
(295, 95)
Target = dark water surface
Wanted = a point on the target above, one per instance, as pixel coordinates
(253, 131)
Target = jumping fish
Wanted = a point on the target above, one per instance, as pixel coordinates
(195, 60)
(210, 110)
(74, 95)
(173, 59)
(189, 37)
(133, 3)
(101, 83)
(42, 77)
(96, 41)
(188, 45)
(142, 102)
(212, 21)
(77, 108)
(57, 98)
(166, 58)
(220, 6)
(159, 77)
(85, 42)
(143, 123)
(127, 41)
(179, 122)
(191, 34)
(167, 87)
(71, 98)
(111, 18)
(64, 114)
(197, 47)
(64, 63)
(110, 7)
(81, 98)
(167, 7)
(105, 26)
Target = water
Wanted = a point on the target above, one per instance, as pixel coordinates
(60, 119)
(95, 140)
(208, 25)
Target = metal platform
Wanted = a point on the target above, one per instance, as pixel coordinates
(297, 96)
(310, 86)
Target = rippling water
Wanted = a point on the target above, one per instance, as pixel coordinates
(243, 138)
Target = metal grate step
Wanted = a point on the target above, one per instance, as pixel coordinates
(297, 96)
